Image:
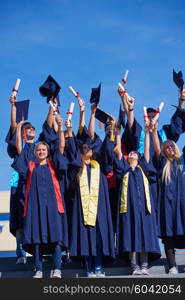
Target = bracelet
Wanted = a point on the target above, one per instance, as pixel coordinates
(131, 109)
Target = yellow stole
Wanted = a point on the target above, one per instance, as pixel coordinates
(124, 192)
(89, 197)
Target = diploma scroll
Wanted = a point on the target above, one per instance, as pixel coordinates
(124, 80)
(76, 94)
(70, 111)
(16, 88)
(129, 98)
(159, 109)
(53, 107)
(145, 113)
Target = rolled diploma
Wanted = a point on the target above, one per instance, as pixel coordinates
(158, 111)
(53, 107)
(16, 88)
(123, 89)
(145, 113)
(73, 91)
(70, 112)
(125, 77)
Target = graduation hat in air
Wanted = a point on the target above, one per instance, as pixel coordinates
(50, 88)
(178, 79)
(121, 119)
(22, 108)
(95, 95)
(102, 116)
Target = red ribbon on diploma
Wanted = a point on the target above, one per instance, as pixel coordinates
(14, 90)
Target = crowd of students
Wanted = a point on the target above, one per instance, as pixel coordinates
(96, 198)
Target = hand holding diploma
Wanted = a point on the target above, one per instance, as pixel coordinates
(54, 107)
(159, 109)
(76, 94)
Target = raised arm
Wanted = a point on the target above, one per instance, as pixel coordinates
(147, 142)
(124, 101)
(61, 134)
(13, 113)
(19, 137)
(91, 128)
(51, 115)
(156, 142)
(82, 113)
(117, 149)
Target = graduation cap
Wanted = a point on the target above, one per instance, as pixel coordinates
(50, 88)
(178, 79)
(121, 119)
(22, 110)
(95, 95)
(102, 116)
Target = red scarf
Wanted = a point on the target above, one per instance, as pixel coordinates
(55, 185)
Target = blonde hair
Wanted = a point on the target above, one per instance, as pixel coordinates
(166, 174)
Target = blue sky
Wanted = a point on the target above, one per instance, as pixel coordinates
(82, 43)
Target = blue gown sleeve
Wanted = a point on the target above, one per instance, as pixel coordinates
(20, 164)
(177, 125)
(60, 161)
(131, 138)
(49, 136)
(107, 155)
(11, 141)
(73, 153)
(83, 138)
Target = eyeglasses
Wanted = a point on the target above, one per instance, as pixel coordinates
(29, 127)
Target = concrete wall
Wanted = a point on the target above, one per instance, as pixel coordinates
(7, 240)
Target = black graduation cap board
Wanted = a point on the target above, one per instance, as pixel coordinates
(95, 95)
(50, 88)
(178, 79)
(22, 108)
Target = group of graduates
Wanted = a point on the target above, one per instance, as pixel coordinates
(93, 198)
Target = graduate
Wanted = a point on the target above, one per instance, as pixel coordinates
(45, 229)
(171, 206)
(91, 223)
(136, 222)
(134, 134)
(19, 111)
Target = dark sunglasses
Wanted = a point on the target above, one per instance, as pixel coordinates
(29, 127)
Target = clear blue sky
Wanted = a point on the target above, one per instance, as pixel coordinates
(82, 43)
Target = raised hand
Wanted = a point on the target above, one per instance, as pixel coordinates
(68, 123)
(58, 120)
(12, 99)
(81, 103)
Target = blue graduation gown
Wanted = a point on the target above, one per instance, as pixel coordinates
(171, 206)
(134, 140)
(17, 191)
(43, 224)
(107, 163)
(136, 226)
(83, 237)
